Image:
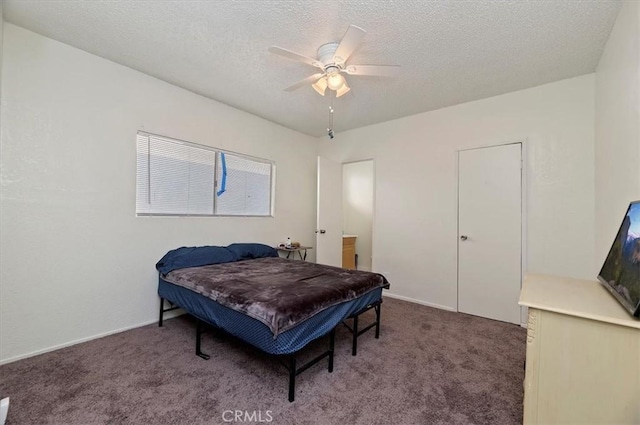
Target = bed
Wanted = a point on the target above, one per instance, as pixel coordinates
(275, 304)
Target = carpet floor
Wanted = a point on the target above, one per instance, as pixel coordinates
(429, 367)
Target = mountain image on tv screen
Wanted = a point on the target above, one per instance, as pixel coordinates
(621, 269)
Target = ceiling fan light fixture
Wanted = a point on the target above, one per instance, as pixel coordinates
(320, 86)
(343, 90)
(332, 60)
(335, 81)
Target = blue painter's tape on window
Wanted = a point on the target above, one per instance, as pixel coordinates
(223, 183)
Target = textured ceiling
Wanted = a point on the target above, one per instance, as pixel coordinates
(450, 51)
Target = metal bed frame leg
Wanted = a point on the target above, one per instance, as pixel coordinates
(161, 312)
(199, 352)
(354, 348)
(164, 310)
(377, 308)
(356, 331)
(292, 377)
(332, 342)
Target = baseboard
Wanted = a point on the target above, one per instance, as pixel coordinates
(416, 301)
(167, 316)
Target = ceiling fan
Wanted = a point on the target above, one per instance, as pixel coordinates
(331, 60)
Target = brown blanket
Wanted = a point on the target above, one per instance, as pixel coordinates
(278, 292)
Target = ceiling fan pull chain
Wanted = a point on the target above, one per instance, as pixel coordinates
(330, 128)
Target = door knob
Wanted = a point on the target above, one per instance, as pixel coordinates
(321, 231)
(463, 238)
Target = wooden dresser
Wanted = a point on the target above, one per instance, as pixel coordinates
(349, 252)
(583, 354)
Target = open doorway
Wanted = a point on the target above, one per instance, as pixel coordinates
(357, 208)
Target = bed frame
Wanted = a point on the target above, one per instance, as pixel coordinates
(354, 330)
(289, 362)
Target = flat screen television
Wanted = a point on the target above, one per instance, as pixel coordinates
(620, 273)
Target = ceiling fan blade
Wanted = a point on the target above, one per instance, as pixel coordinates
(295, 56)
(351, 40)
(373, 70)
(309, 80)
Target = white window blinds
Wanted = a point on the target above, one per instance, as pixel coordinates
(179, 178)
(244, 186)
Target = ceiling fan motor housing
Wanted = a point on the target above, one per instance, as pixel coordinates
(325, 56)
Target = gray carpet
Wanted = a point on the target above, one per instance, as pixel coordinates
(428, 367)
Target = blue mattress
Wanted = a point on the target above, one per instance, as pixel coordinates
(257, 333)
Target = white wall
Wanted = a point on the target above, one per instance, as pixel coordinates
(617, 127)
(415, 235)
(75, 260)
(1, 29)
(357, 206)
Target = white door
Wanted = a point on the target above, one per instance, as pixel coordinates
(490, 231)
(329, 218)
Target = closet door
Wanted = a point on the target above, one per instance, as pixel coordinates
(490, 231)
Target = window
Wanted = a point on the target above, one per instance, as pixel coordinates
(181, 178)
